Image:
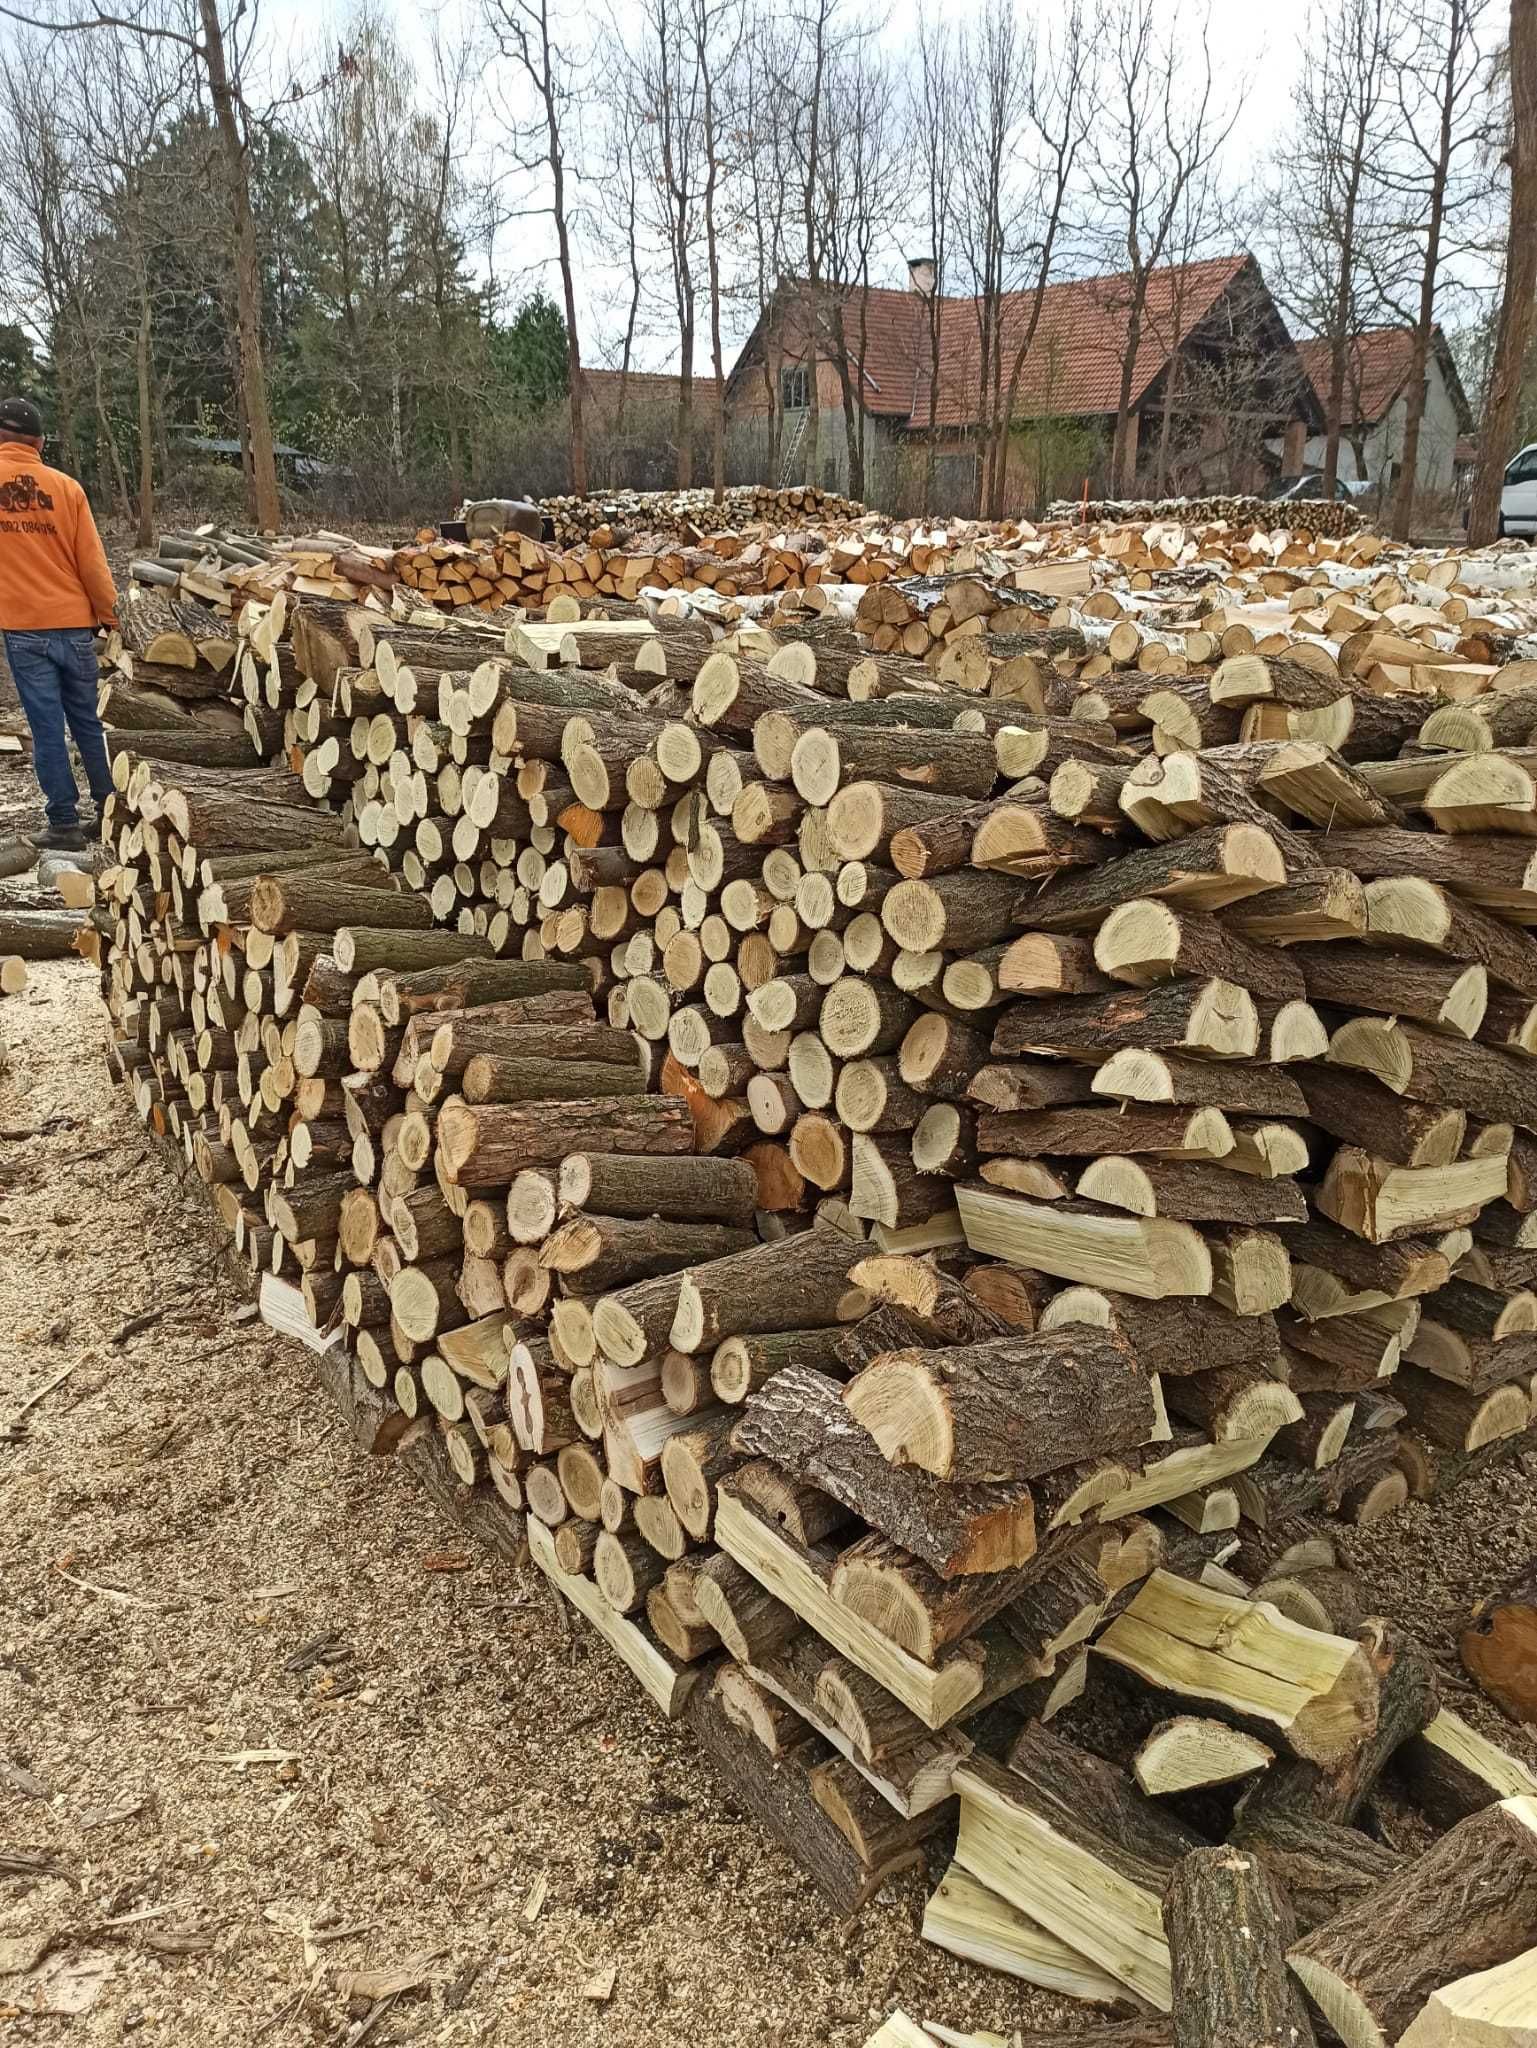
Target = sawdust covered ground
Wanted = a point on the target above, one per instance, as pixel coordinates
(199, 1842)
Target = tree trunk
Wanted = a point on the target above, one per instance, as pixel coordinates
(1516, 307)
(145, 532)
(1414, 390)
(265, 508)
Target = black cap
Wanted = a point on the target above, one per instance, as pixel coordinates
(21, 416)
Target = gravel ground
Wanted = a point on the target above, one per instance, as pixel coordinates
(222, 1840)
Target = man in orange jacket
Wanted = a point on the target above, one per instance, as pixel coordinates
(55, 590)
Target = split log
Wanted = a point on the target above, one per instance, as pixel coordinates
(1491, 2005)
(1317, 1693)
(1070, 1841)
(1011, 1408)
(1189, 1753)
(798, 1420)
(1212, 1017)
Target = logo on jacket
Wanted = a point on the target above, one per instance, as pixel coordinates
(21, 494)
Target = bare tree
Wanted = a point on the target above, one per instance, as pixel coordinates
(1503, 400)
(528, 34)
(1162, 124)
(857, 173)
(1328, 197)
(44, 219)
(215, 49)
(665, 71)
(718, 32)
(934, 129)
(121, 93)
(1442, 116)
(760, 202)
(995, 60)
(1061, 104)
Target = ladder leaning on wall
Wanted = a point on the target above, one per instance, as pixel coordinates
(787, 465)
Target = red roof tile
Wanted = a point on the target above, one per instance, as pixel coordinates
(1075, 358)
(1074, 363)
(1376, 364)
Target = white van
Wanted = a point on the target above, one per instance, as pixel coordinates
(1518, 500)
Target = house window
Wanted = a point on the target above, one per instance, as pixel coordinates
(794, 389)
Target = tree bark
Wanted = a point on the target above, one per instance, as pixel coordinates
(483, 1146)
(1229, 1924)
(1466, 1904)
(1506, 372)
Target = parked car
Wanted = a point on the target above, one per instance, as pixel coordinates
(1518, 499)
(1310, 484)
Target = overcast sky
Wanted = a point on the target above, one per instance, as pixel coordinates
(1249, 44)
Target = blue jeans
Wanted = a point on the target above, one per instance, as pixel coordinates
(55, 675)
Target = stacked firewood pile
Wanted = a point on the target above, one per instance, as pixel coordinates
(1150, 604)
(831, 548)
(613, 517)
(917, 1196)
(1312, 515)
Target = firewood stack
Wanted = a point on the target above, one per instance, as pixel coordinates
(603, 516)
(1327, 516)
(916, 1196)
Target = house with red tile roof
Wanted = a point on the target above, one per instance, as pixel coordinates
(1377, 366)
(1215, 377)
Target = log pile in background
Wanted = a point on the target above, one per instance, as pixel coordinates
(1312, 515)
(902, 1191)
(612, 517)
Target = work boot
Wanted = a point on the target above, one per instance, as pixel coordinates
(61, 839)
